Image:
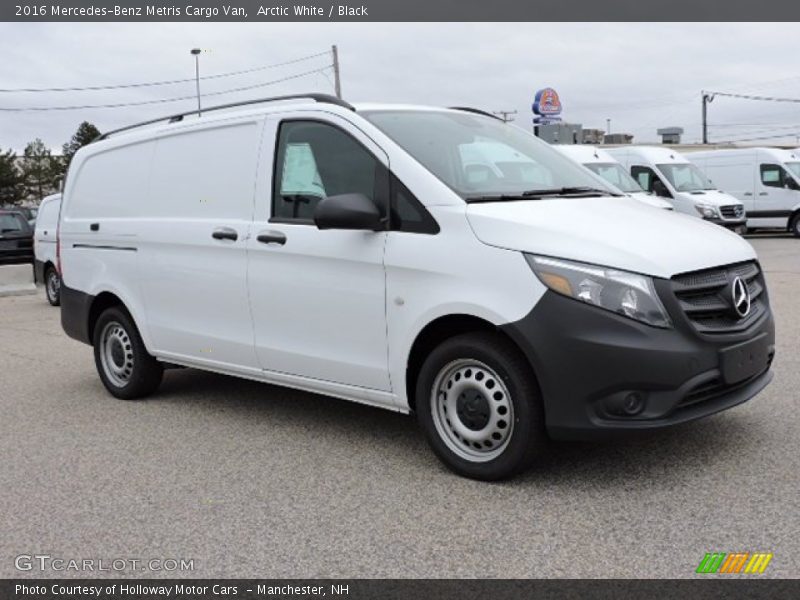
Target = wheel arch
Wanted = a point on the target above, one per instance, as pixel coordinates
(441, 329)
(102, 302)
(793, 217)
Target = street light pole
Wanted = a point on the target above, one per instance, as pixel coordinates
(196, 53)
(337, 82)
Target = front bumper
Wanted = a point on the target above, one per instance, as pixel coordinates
(735, 225)
(589, 361)
(16, 256)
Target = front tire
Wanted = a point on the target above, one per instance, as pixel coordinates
(125, 367)
(479, 406)
(52, 286)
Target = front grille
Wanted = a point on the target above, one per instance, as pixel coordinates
(732, 211)
(706, 298)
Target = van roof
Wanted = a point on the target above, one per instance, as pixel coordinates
(584, 153)
(778, 154)
(266, 106)
(651, 154)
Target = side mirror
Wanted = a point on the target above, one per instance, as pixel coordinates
(659, 189)
(347, 211)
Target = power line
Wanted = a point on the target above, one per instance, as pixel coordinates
(162, 100)
(95, 88)
(753, 97)
(788, 134)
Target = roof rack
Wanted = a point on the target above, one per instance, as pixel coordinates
(477, 111)
(321, 98)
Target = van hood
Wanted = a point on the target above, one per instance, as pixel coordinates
(651, 200)
(614, 232)
(713, 197)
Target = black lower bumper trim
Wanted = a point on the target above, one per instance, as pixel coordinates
(601, 373)
(75, 307)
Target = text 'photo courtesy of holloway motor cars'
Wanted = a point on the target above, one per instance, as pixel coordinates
(425, 260)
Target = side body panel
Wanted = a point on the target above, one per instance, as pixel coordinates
(195, 285)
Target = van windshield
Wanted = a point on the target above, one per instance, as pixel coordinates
(482, 158)
(794, 168)
(616, 175)
(685, 177)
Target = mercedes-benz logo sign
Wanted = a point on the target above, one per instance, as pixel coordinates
(741, 297)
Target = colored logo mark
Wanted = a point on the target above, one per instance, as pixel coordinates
(547, 103)
(734, 562)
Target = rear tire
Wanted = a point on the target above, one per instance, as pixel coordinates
(52, 286)
(125, 367)
(479, 406)
(794, 225)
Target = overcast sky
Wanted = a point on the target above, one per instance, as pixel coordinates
(641, 76)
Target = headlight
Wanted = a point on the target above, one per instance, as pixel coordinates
(707, 211)
(621, 292)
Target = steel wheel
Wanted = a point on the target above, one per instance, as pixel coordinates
(116, 354)
(472, 410)
(52, 286)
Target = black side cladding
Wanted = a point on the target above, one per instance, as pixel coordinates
(75, 307)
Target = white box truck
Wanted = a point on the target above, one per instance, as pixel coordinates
(766, 180)
(602, 164)
(669, 174)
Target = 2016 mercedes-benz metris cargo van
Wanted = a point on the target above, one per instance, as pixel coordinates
(356, 252)
(602, 164)
(766, 180)
(669, 174)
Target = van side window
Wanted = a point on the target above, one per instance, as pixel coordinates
(315, 160)
(649, 181)
(408, 213)
(776, 176)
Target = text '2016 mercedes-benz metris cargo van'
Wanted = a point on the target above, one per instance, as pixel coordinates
(370, 253)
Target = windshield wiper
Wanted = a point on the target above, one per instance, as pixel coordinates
(568, 191)
(564, 192)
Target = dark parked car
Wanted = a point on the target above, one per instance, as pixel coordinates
(16, 238)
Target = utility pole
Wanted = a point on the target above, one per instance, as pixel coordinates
(505, 115)
(337, 83)
(196, 53)
(707, 98)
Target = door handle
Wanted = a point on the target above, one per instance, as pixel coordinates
(763, 193)
(272, 237)
(225, 233)
(748, 194)
(94, 227)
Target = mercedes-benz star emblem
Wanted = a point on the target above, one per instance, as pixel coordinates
(741, 297)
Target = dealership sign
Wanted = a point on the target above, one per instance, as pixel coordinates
(547, 106)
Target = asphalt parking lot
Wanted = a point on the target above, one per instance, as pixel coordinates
(252, 480)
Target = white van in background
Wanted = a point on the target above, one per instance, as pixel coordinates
(766, 180)
(44, 248)
(669, 174)
(604, 165)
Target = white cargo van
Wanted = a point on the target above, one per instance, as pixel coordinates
(44, 248)
(601, 163)
(669, 174)
(356, 251)
(766, 180)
